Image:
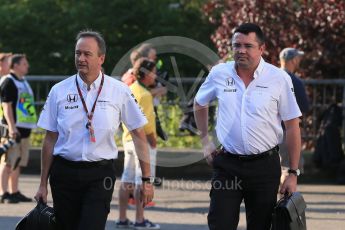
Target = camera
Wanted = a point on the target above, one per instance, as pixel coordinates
(4, 133)
(8, 144)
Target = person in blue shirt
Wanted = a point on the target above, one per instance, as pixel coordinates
(290, 59)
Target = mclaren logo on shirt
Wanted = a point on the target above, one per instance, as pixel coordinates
(262, 86)
(72, 107)
(72, 98)
(102, 104)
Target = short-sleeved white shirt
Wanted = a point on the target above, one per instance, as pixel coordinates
(249, 119)
(63, 112)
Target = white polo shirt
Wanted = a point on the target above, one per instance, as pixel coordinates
(249, 119)
(63, 112)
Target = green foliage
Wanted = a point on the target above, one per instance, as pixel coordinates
(45, 29)
(36, 137)
(170, 116)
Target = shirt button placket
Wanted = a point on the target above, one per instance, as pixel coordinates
(86, 140)
(243, 119)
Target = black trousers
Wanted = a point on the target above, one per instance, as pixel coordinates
(82, 193)
(255, 181)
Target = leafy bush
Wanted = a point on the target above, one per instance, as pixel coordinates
(317, 27)
(36, 137)
(170, 116)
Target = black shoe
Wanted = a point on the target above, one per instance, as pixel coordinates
(8, 199)
(20, 197)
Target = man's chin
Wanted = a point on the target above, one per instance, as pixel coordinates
(242, 64)
(82, 71)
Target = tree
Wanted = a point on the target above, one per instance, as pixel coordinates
(317, 27)
(45, 29)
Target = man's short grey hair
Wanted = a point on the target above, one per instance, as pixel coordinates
(97, 36)
(144, 50)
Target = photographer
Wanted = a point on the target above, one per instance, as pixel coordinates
(157, 90)
(20, 116)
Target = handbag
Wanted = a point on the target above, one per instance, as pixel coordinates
(40, 218)
(289, 213)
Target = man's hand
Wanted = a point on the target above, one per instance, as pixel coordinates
(147, 192)
(290, 184)
(42, 193)
(13, 132)
(209, 150)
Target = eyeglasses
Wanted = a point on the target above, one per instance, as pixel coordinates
(237, 46)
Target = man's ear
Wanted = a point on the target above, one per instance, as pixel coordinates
(102, 59)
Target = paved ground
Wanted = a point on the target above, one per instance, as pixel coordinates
(184, 204)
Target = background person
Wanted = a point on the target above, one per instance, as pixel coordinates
(145, 71)
(17, 101)
(146, 50)
(290, 59)
(5, 59)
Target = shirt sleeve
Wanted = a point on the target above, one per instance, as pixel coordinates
(146, 104)
(8, 91)
(288, 107)
(206, 92)
(131, 114)
(48, 117)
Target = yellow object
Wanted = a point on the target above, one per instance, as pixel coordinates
(145, 100)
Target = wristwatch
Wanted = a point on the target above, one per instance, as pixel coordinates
(149, 180)
(296, 172)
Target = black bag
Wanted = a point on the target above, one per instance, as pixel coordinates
(328, 150)
(40, 218)
(289, 213)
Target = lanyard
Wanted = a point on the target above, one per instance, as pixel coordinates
(90, 115)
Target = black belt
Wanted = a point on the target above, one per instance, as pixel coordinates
(252, 156)
(83, 164)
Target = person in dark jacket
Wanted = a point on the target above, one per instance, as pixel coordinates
(290, 59)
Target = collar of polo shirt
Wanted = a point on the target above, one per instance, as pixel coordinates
(94, 84)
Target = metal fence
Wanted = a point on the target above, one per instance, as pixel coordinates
(322, 93)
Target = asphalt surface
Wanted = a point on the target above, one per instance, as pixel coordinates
(183, 204)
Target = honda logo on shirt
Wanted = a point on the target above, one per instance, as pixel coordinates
(230, 81)
(72, 97)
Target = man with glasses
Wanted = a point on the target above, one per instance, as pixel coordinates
(253, 97)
